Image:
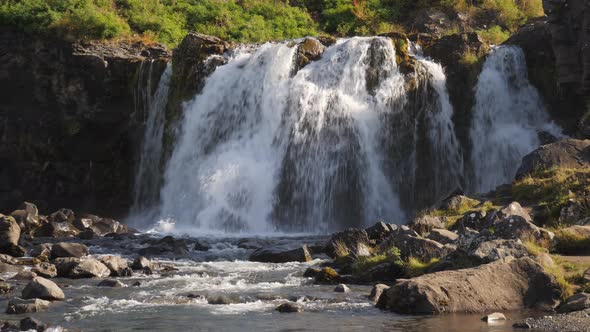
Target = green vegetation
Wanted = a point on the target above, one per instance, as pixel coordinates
(570, 242)
(167, 21)
(392, 256)
(552, 188)
(534, 248)
(494, 35)
(467, 205)
(416, 268)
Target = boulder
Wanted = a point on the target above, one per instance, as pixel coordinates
(384, 272)
(281, 253)
(352, 241)
(587, 276)
(142, 263)
(17, 306)
(43, 289)
(380, 231)
(310, 49)
(62, 215)
(117, 265)
(101, 226)
(76, 268)
(476, 220)
(576, 302)
(201, 246)
(64, 249)
(514, 209)
(30, 323)
(45, 270)
(57, 230)
(253, 243)
(111, 283)
(7, 259)
(168, 245)
(41, 250)
(491, 251)
(510, 284)
(5, 288)
(27, 217)
(289, 307)
(443, 236)
(516, 227)
(24, 275)
(568, 153)
(421, 248)
(327, 275)
(9, 237)
(376, 292)
(424, 224)
(458, 203)
(342, 288)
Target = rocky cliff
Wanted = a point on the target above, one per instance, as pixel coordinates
(69, 123)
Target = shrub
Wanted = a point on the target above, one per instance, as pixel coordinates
(494, 35)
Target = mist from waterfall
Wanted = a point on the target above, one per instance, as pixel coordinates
(508, 116)
(262, 149)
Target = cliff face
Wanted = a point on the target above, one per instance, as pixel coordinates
(69, 123)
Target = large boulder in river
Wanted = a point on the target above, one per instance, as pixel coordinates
(166, 246)
(310, 49)
(42, 288)
(9, 233)
(45, 270)
(424, 224)
(18, 306)
(64, 249)
(55, 229)
(282, 253)
(117, 265)
(27, 216)
(568, 153)
(510, 284)
(76, 268)
(102, 226)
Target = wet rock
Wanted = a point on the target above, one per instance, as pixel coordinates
(289, 307)
(62, 215)
(136, 284)
(7, 259)
(443, 236)
(327, 275)
(281, 253)
(342, 288)
(516, 227)
(509, 284)
(141, 263)
(576, 302)
(307, 51)
(76, 268)
(424, 224)
(568, 153)
(57, 230)
(168, 245)
(30, 323)
(117, 265)
(63, 249)
(43, 249)
(376, 292)
(493, 317)
(8, 327)
(87, 235)
(9, 268)
(24, 275)
(352, 241)
(576, 321)
(111, 283)
(253, 243)
(222, 299)
(17, 306)
(384, 272)
(491, 251)
(43, 289)
(104, 226)
(45, 270)
(5, 288)
(9, 236)
(522, 325)
(201, 246)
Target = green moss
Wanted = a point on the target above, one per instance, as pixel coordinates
(494, 35)
(364, 264)
(552, 188)
(416, 268)
(534, 248)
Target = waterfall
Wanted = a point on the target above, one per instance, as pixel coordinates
(508, 116)
(149, 171)
(332, 146)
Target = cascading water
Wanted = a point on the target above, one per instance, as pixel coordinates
(261, 149)
(509, 115)
(149, 170)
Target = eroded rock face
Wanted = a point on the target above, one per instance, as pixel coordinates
(502, 285)
(568, 153)
(69, 123)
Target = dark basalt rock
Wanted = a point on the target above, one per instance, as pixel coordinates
(281, 253)
(568, 153)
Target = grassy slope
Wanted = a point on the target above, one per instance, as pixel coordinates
(167, 21)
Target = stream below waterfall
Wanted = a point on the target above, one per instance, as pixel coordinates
(180, 300)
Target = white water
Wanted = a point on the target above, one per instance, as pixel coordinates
(148, 175)
(260, 150)
(508, 116)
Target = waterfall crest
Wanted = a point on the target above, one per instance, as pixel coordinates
(508, 116)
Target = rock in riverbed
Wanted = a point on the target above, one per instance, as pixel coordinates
(43, 289)
(281, 253)
(508, 284)
(289, 307)
(63, 249)
(21, 306)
